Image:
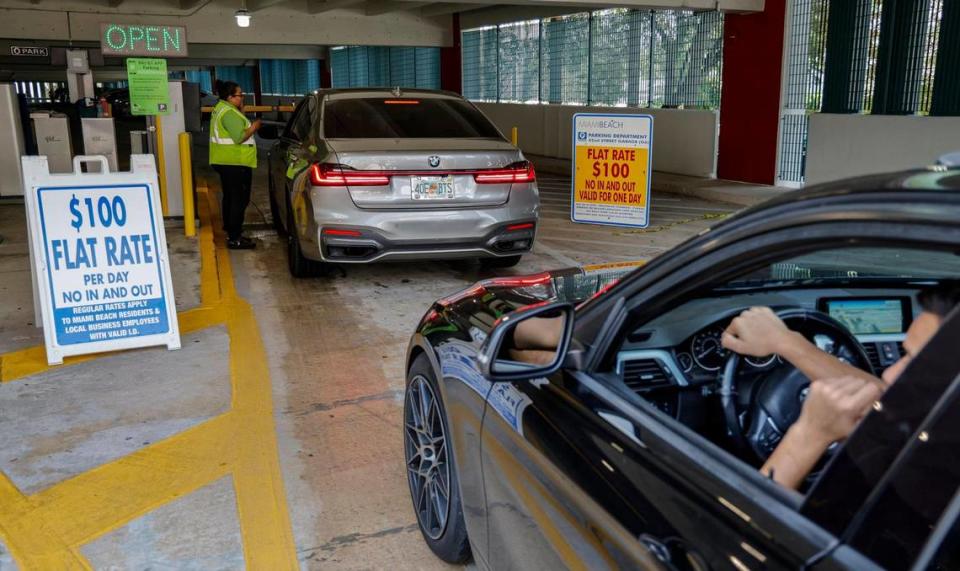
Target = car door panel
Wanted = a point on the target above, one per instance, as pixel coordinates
(616, 493)
(538, 515)
(462, 390)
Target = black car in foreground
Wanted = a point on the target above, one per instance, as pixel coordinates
(636, 444)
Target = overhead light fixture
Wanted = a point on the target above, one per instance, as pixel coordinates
(243, 18)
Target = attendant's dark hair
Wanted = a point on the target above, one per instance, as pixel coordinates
(226, 88)
(941, 298)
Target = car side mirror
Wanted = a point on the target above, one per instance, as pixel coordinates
(528, 343)
(268, 131)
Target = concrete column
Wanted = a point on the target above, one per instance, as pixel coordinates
(750, 97)
(451, 65)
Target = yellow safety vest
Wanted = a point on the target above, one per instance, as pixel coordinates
(223, 151)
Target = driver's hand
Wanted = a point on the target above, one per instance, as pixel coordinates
(834, 407)
(757, 332)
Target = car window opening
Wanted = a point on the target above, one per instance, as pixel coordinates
(376, 118)
(855, 303)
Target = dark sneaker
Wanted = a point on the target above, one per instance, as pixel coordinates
(241, 243)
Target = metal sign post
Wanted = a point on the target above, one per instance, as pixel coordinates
(101, 263)
(613, 160)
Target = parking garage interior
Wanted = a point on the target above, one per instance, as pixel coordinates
(271, 439)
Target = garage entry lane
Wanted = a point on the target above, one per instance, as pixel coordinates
(336, 348)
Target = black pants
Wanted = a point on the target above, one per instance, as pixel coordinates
(235, 184)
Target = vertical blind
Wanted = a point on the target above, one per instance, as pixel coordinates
(480, 58)
(289, 77)
(241, 75)
(564, 64)
(373, 66)
(519, 59)
(883, 56)
(617, 57)
(202, 77)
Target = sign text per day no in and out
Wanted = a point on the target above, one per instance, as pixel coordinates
(143, 40)
(99, 256)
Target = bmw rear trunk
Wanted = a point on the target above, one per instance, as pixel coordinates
(428, 172)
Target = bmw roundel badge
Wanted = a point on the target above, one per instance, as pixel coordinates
(434, 161)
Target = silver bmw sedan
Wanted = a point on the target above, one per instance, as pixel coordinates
(364, 175)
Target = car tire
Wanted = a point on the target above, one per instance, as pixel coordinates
(299, 265)
(449, 543)
(506, 262)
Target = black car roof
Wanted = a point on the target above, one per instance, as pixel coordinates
(938, 184)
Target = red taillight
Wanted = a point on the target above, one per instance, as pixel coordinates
(515, 173)
(524, 226)
(339, 232)
(401, 102)
(477, 289)
(520, 281)
(335, 175)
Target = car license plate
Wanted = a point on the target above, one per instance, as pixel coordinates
(431, 187)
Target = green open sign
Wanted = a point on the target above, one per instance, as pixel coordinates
(143, 40)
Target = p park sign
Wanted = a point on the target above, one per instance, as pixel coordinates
(99, 257)
(612, 161)
(143, 40)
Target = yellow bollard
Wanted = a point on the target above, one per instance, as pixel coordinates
(515, 136)
(186, 182)
(162, 167)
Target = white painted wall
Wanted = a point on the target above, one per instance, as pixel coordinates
(850, 145)
(214, 23)
(684, 140)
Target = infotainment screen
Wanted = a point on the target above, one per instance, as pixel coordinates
(867, 316)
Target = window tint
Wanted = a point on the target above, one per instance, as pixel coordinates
(407, 118)
(890, 482)
(288, 131)
(913, 499)
(859, 264)
(942, 553)
(301, 127)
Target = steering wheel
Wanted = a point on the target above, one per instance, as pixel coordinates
(775, 403)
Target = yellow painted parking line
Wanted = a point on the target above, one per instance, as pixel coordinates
(613, 266)
(18, 365)
(32, 547)
(46, 530)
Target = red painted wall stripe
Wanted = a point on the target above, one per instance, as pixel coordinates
(750, 97)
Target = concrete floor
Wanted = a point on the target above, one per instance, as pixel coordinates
(334, 350)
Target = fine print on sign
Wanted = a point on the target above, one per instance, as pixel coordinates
(149, 94)
(100, 256)
(612, 164)
(29, 51)
(139, 40)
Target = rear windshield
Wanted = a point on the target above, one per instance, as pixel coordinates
(404, 118)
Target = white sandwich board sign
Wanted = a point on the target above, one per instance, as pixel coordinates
(99, 257)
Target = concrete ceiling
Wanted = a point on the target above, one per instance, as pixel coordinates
(425, 8)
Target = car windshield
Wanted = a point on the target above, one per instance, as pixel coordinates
(404, 118)
(857, 264)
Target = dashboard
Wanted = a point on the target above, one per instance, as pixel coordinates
(682, 348)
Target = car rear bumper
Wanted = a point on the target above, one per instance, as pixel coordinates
(345, 233)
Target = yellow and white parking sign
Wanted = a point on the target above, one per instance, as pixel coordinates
(612, 161)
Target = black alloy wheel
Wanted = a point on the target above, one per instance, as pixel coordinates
(426, 453)
(431, 473)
